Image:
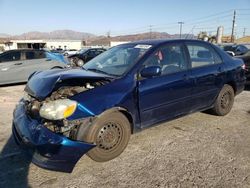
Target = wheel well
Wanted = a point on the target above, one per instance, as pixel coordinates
(57, 67)
(130, 119)
(233, 85)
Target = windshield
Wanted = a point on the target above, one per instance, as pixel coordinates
(117, 60)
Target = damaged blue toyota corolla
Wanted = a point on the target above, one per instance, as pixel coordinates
(67, 113)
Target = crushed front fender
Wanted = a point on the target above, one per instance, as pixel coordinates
(49, 150)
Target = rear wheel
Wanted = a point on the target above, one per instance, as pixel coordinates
(110, 132)
(224, 101)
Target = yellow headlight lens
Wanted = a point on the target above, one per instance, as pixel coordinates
(69, 110)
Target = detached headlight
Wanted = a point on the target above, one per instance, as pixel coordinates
(58, 109)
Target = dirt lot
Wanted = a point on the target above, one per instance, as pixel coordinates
(198, 150)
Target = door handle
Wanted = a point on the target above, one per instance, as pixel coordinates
(18, 63)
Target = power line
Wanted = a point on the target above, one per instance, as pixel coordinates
(223, 18)
(211, 15)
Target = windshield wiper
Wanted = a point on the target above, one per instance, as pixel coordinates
(100, 71)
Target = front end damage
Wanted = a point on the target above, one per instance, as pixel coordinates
(52, 142)
(49, 149)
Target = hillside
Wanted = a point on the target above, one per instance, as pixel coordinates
(75, 35)
(57, 34)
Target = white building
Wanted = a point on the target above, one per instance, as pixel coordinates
(48, 44)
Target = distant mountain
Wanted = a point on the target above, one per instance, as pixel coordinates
(58, 34)
(3, 35)
(142, 36)
(91, 38)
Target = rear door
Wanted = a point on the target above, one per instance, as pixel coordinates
(207, 70)
(168, 95)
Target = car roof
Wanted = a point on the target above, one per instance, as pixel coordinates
(156, 42)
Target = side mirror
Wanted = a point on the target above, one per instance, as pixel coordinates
(230, 53)
(151, 71)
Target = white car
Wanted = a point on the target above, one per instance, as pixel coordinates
(17, 65)
(70, 52)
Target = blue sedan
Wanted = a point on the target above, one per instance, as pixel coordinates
(94, 109)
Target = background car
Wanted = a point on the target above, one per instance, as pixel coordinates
(246, 58)
(58, 50)
(236, 49)
(17, 65)
(70, 52)
(84, 56)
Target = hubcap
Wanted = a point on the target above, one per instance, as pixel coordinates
(109, 136)
(225, 100)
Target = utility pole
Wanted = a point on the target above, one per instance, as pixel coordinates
(244, 32)
(232, 34)
(181, 23)
(108, 34)
(150, 31)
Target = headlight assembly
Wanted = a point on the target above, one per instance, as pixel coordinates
(58, 109)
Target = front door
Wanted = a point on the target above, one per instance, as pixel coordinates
(168, 95)
(10, 65)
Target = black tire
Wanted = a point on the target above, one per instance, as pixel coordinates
(80, 62)
(110, 132)
(224, 101)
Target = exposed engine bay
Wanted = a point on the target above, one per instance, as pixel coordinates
(62, 126)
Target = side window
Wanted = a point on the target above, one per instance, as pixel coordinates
(91, 53)
(11, 56)
(170, 58)
(39, 55)
(202, 55)
(98, 52)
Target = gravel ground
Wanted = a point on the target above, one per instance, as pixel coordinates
(199, 150)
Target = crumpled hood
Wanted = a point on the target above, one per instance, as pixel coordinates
(41, 84)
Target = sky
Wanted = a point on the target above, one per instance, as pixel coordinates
(123, 17)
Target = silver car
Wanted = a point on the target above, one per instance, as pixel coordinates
(17, 65)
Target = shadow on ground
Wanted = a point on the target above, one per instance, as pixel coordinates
(14, 166)
(14, 84)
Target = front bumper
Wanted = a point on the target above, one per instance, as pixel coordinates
(49, 150)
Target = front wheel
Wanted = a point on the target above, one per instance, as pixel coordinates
(224, 101)
(80, 62)
(110, 133)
